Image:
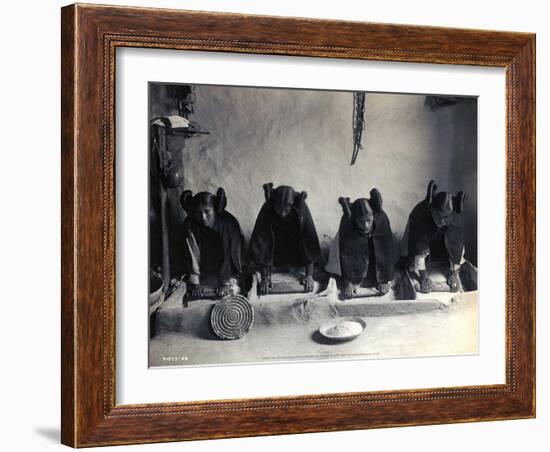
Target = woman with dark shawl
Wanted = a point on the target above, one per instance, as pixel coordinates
(435, 231)
(213, 242)
(284, 235)
(362, 252)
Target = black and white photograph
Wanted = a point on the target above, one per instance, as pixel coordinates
(303, 225)
(236, 225)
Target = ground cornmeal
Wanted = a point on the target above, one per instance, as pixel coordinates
(345, 329)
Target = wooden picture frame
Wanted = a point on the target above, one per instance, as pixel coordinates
(90, 36)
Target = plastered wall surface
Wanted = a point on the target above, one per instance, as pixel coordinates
(304, 138)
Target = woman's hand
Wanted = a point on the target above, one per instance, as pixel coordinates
(196, 290)
(265, 283)
(350, 290)
(425, 283)
(308, 283)
(383, 288)
(454, 281)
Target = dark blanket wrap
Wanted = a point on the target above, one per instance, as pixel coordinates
(356, 253)
(425, 235)
(262, 242)
(219, 248)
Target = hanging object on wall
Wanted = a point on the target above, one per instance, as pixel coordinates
(184, 98)
(435, 102)
(168, 136)
(358, 123)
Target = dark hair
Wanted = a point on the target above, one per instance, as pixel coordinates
(204, 198)
(284, 195)
(443, 202)
(361, 207)
(189, 202)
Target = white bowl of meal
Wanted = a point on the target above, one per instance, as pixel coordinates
(343, 328)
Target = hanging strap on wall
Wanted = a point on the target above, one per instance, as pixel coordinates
(358, 123)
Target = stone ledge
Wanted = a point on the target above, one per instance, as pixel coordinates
(173, 317)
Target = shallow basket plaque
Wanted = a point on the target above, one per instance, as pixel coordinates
(232, 317)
